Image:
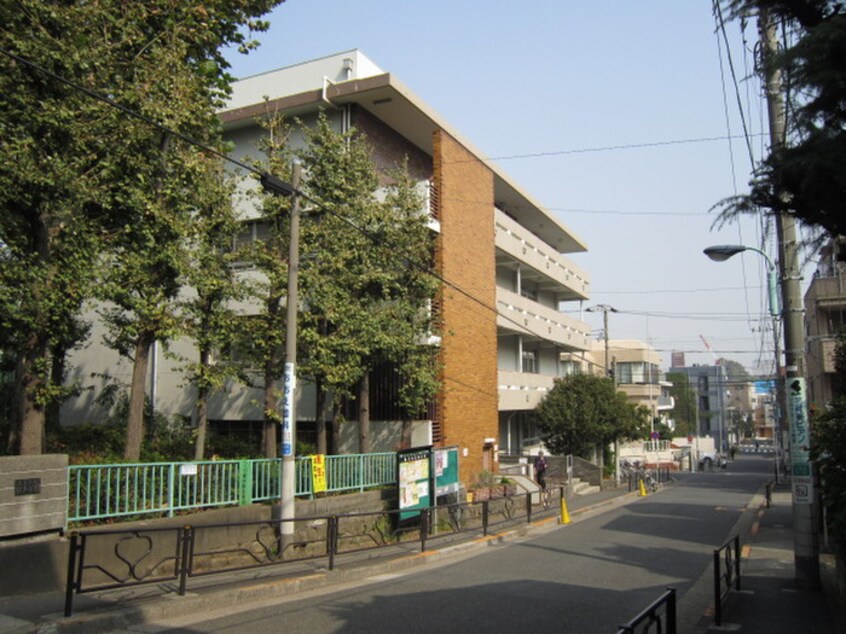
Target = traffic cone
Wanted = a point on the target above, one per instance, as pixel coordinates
(565, 516)
(641, 488)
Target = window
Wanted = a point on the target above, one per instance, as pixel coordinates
(569, 368)
(530, 361)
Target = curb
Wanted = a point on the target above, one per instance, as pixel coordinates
(241, 592)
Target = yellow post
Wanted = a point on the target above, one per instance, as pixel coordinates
(641, 491)
(565, 516)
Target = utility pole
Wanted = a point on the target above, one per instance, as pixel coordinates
(604, 309)
(806, 544)
(289, 412)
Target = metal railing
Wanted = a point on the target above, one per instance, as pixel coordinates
(114, 558)
(726, 575)
(120, 490)
(660, 614)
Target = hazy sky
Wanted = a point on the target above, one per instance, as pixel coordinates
(614, 114)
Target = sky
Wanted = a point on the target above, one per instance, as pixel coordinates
(621, 117)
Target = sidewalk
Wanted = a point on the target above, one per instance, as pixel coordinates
(769, 601)
(122, 608)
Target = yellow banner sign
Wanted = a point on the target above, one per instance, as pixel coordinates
(318, 473)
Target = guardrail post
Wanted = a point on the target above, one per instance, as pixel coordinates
(718, 599)
(424, 529)
(737, 562)
(171, 472)
(671, 611)
(528, 508)
(71, 580)
(186, 539)
(332, 540)
(245, 482)
(485, 518)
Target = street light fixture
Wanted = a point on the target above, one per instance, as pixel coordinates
(721, 253)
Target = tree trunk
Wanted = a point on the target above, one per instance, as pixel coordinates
(137, 396)
(202, 410)
(364, 414)
(52, 422)
(31, 415)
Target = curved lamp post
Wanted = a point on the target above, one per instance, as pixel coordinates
(721, 253)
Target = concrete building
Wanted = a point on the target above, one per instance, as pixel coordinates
(499, 249)
(710, 384)
(635, 366)
(825, 317)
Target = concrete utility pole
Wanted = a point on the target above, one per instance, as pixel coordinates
(289, 412)
(604, 309)
(806, 545)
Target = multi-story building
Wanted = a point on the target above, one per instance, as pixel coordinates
(709, 383)
(825, 317)
(498, 249)
(635, 368)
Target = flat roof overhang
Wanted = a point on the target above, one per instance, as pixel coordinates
(388, 100)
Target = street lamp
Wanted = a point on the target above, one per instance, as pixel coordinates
(721, 253)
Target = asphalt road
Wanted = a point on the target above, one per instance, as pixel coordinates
(587, 577)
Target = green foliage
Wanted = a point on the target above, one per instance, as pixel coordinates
(86, 190)
(734, 370)
(686, 407)
(807, 178)
(829, 452)
(582, 411)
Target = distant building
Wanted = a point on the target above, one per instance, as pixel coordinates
(636, 369)
(825, 316)
(710, 385)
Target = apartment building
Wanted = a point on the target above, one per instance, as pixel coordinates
(499, 250)
(825, 317)
(710, 384)
(635, 367)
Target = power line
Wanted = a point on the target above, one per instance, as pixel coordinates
(270, 182)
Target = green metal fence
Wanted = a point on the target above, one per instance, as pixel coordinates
(104, 491)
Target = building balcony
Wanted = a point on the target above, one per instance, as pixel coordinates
(522, 390)
(547, 269)
(518, 314)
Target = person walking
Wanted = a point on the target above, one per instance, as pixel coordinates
(540, 470)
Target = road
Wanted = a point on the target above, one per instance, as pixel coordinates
(589, 576)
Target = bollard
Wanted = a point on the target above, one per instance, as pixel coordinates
(565, 515)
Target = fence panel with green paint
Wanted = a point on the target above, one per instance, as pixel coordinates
(102, 491)
(360, 471)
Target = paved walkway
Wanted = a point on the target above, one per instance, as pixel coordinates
(768, 602)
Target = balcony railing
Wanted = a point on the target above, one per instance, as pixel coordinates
(522, 315)
(525, 247)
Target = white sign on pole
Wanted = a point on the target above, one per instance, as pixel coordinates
(288, 409)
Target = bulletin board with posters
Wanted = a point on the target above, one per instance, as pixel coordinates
(415, 481)
(445, 466)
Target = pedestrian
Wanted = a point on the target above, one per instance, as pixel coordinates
(540, 470)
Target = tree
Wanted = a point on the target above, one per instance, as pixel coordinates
(807, 177)
(582, 411)
(207, 313)
(367, 294)
(685, 407)
(76, 171)
(734, 371)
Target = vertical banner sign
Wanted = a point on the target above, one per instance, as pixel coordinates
(413, 479)
(800, 442)
(318, 473)
(288, 409)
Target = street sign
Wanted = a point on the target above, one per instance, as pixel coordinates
(800, 442)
